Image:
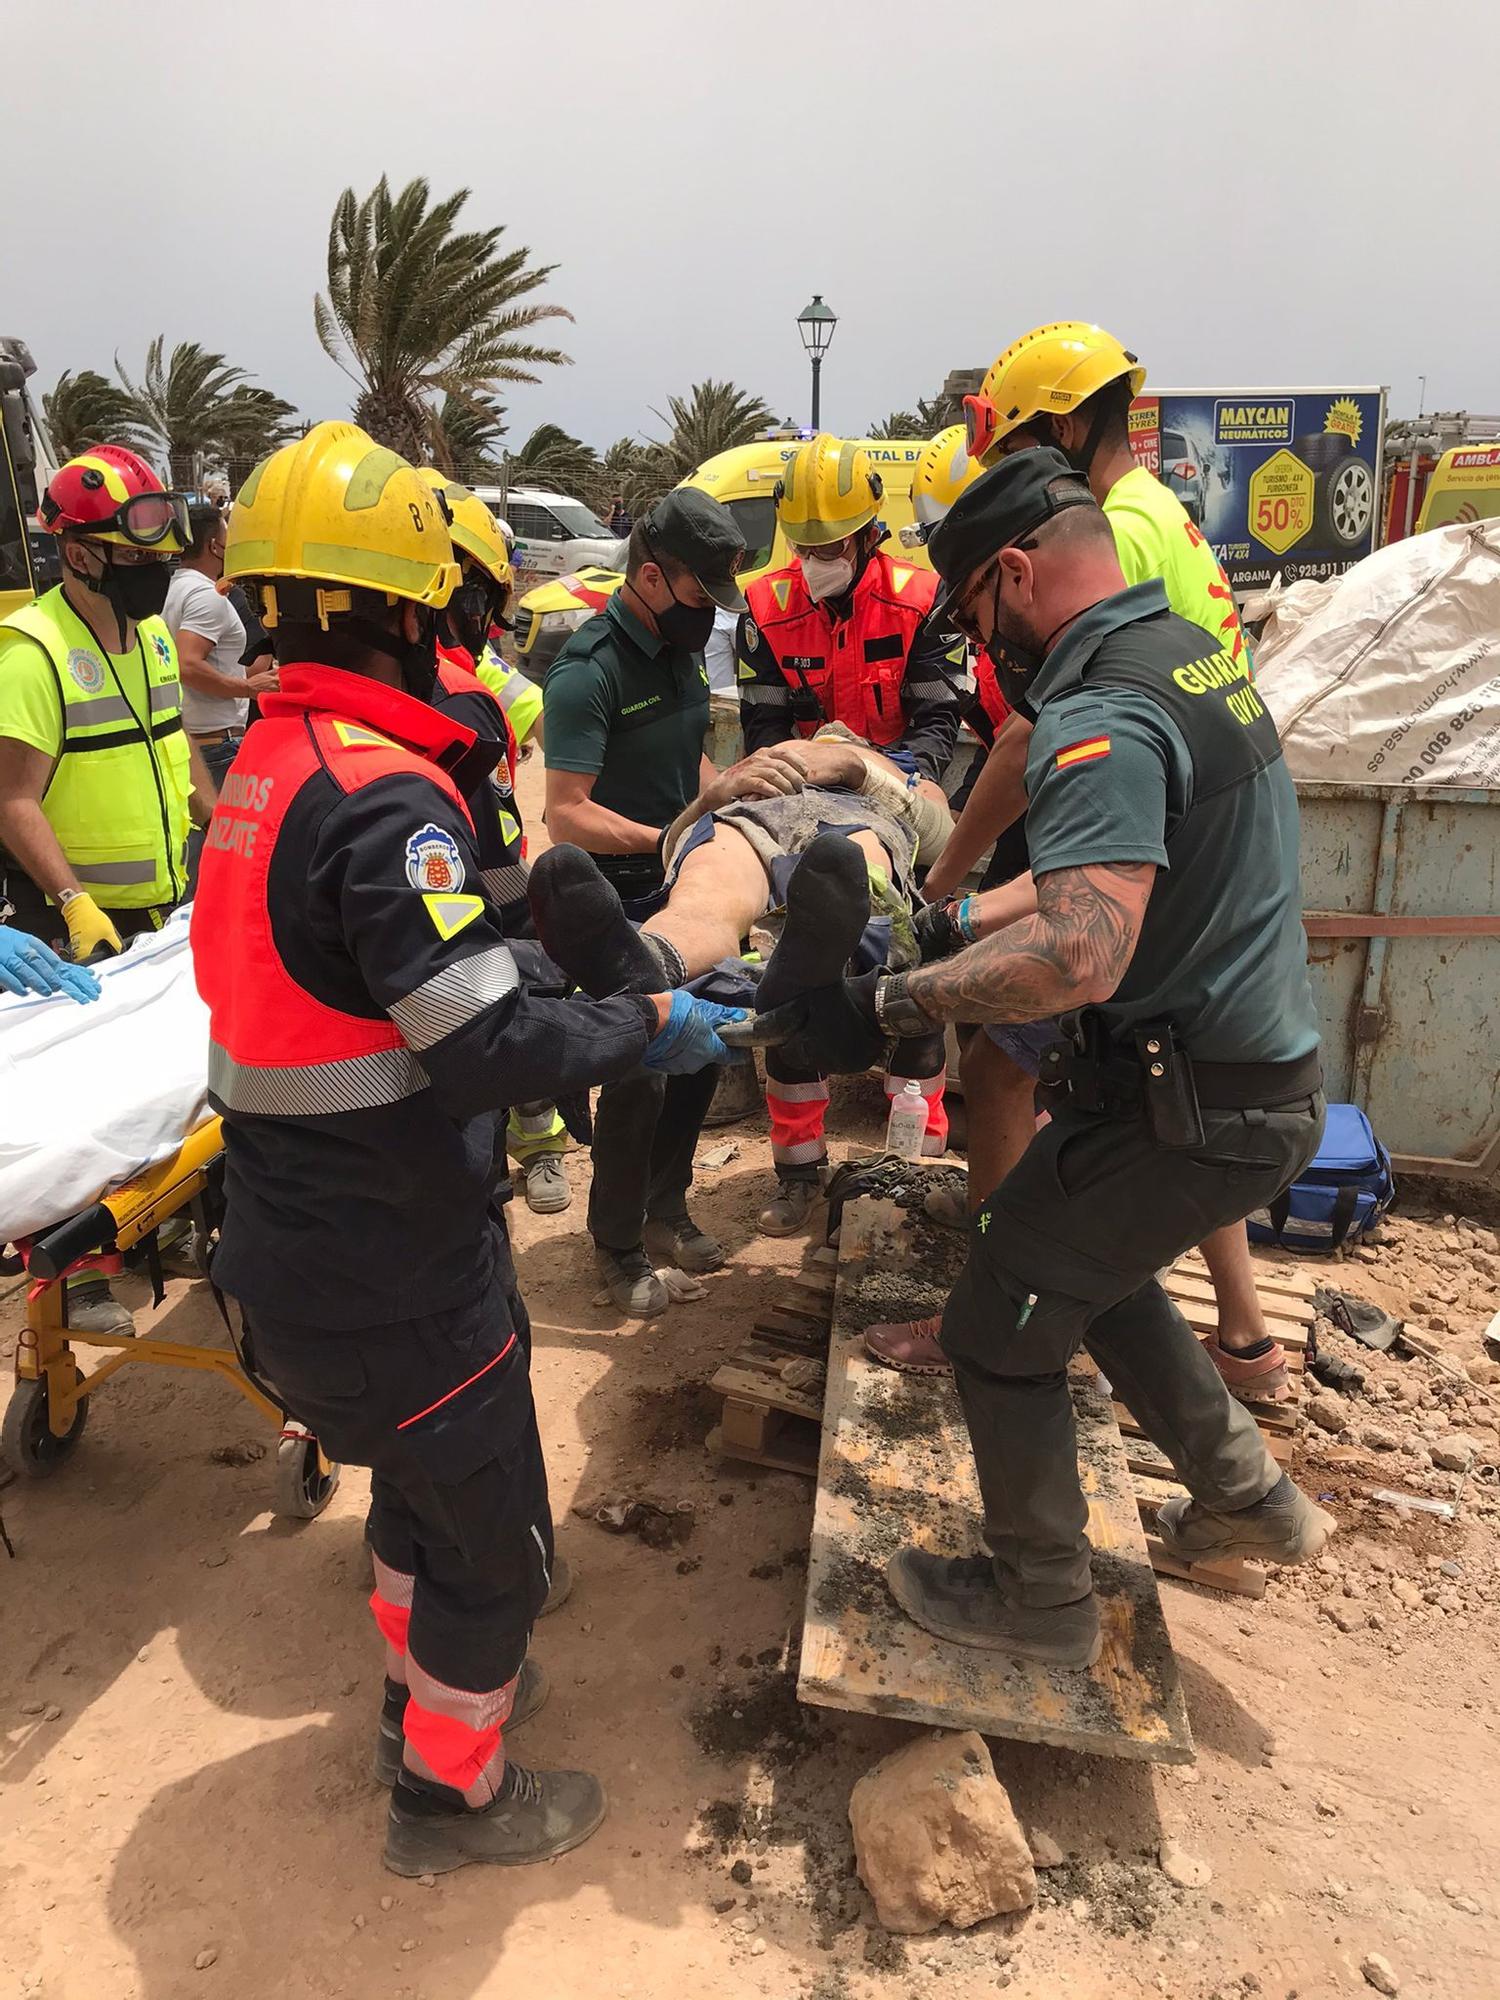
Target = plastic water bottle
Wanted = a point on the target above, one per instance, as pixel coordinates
(906, 1127)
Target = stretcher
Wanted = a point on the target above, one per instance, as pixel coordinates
(113, 1097)
(49, 1405)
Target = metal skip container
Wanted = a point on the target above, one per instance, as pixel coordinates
(1401, 900)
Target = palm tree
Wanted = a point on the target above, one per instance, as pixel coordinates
(713, 417)
(551, 458)
(466, 440)
(87, 408)
(415, 310)
(899, 424)
(196, 410)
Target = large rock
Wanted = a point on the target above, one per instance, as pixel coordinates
(936, 1839)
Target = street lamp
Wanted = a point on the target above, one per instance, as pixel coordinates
(816, 323)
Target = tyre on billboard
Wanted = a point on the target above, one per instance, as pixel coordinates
(1282, 482)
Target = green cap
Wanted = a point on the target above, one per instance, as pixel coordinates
(693, 529)
(1004, 506)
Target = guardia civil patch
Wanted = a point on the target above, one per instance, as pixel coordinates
(433, 862)
(86, 669)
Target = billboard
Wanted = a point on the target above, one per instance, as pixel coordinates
(1283, 482)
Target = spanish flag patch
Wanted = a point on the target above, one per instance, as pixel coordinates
(1083, 753)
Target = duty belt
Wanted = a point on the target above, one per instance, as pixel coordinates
(1156, 1077)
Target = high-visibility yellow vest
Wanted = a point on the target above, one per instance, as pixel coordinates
(118, 795)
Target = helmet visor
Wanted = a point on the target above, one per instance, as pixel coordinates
(147, 520)
(980, 425)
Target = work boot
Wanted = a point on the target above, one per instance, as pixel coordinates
(1285, 1527)
(538, 1814)
(787, 1212)
(677, 1239)
(632, 1284)
(957, 1598)
(544, 1182)
(911, 1345)
(93, 1308)
(1255, 1374)
(532, 1690)
(561, 1588)
(948, 1206)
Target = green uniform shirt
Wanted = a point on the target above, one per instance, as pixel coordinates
(623, 706)
(1155, 538)
(1114, 774)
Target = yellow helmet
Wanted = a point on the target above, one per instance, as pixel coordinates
(474, 529)
(337, 510)
(828, 491)
(938, 477)
(1047, 372)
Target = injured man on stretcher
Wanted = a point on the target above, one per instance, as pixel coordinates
(800, 825)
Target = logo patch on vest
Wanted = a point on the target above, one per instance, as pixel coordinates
(161, 645)
(752, 635)
(1083, 753)
(449, 914)
(87, 669)
(433, 862)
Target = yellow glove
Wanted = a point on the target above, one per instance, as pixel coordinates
(89, 930)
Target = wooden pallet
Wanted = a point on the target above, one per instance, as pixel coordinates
(765, 1421)
(896, 1466)
(1233, 1574)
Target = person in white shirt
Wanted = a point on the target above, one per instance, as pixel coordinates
(210, 638)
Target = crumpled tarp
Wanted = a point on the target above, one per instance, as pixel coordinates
(1390, 674)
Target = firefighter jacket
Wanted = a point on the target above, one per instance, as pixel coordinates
(872, 660)
(366, 1014)
(489, 794)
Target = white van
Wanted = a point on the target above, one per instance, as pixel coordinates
(553, 534)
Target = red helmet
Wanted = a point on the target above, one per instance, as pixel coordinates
(112, 495)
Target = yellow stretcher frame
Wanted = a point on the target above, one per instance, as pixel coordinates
(49, 1382)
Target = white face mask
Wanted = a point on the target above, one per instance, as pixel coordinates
(824, 578)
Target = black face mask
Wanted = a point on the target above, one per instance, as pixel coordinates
(1016, 662)
(684, 625)
(468, 615)
(133, 591)
(418, 660)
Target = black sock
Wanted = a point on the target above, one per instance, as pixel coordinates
(1253, 1352)
(827, 908)
(583, 927)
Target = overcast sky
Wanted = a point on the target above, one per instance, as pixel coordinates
(1255, 195)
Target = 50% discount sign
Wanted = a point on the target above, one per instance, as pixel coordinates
(1281, 501)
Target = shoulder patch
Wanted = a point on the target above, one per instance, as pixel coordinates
(433, 861)
(450, 914)
(1086, 751)
(354, 736)
(752, 635)
(781, 590)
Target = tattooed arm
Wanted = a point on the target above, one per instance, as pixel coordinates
(1072, 953)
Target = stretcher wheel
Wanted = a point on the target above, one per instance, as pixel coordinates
(305, 1483)
(26, 1437)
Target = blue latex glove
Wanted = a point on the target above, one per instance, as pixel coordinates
(689, 1041)
(29, 966)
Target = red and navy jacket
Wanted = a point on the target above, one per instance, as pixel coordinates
(489, 794)
(875, 660)
(367, 1015)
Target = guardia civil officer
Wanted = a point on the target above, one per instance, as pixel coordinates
(1187, 1091)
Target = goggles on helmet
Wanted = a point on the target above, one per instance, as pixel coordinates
(145, 520)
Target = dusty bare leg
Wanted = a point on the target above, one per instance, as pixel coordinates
(721, 888)
(1227, 1255)
(1000, 1103)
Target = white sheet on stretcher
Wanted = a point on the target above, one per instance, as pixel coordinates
(91, 1095)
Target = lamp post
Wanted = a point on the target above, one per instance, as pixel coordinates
(816, 323)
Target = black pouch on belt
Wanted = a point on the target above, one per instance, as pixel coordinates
(1168, 1093)
(1075, 1069)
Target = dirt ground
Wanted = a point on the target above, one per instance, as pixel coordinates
(188, 1692)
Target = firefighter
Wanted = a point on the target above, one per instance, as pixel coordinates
(467, 691)
(97, 776)
(842, 635)
(367, 1017)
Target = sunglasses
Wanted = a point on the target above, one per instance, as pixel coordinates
(961, 616)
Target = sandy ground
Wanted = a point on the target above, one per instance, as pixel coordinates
(188, 1688)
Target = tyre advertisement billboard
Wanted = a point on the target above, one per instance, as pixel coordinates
(1283, 482)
